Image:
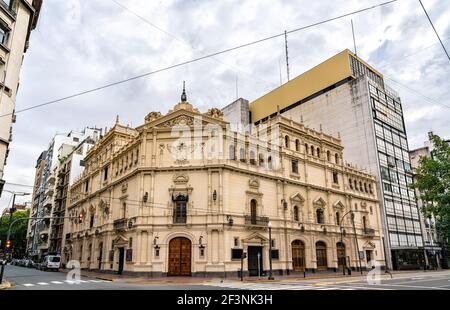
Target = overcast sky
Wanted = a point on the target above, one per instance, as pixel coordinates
(80, 45)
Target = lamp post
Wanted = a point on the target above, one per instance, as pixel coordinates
(356, 240)
(270, 252)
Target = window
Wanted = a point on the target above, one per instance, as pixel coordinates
(261, 160)
(318, 152)
(385, 173)
(336, 158)
(91, 222)
(86, 186)
(180, 212)
(231, 152)
(365, 187)
(253, 211)
(296, 215)
(350, 183)
(105, 173)
(124, 210)
(319, 216)
(269, 162)
(338, 219)
(312, 150)
(364, 223)
(294, 166)
(328, 155)
(306, 148)
(252, 158)
(236, 241)
(335, 177)
(242, 155)
(236, 253)
(275, 254)
(286, 141)
(297, 145)
(4, 34)
(130, 242)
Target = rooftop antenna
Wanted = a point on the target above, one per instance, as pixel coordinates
(287, 55)
(281, 78)
(354, 40)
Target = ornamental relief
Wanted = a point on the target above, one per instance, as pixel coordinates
(182, 120)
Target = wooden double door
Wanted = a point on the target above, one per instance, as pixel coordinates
(180, 252)
(298, 255)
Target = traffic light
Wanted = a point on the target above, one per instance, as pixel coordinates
(8, 244)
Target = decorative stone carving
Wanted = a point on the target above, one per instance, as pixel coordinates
(297, 198)
(152, 116)
(124, 187)
(180, 178)
(254, 183)
(319, 202)
(182, 120)
(214, 113)
(338, 205)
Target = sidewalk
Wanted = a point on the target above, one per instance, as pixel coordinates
(203, 280)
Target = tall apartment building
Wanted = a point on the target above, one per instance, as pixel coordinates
(346, 97)
(46, 186)
(17, 19)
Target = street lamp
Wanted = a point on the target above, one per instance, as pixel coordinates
(352, 215)
(270, 251)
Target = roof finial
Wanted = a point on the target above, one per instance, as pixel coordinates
(117, 119)
(183, 95)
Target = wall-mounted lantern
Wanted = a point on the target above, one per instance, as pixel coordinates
(302, 228)
(145, 198)
(214, 195)
(284, 204)
(230, 220)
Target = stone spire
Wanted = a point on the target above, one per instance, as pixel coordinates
(183, 95)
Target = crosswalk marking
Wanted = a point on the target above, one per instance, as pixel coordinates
(28, 284)
(42, 283)
(57, 282)
(67, 282)
(291, 286)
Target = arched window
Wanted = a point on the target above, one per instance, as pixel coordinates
(350, 183)
(360, 186)
(321, 255)
(269, 162)
(364, 222)
(370, 188)
(231, 152)
(261, 160)
(336, 158)
(319, 216)
(297, 145)
(252, 158)
(242, 155)
(296, 215)
(306, 148)
(286, 141)
(328, 155)
(318, 152)
(356, 184)
(365, 187)
(338, 219)
(253, 211)
(312, 150)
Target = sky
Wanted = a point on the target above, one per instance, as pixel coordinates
(80, 45)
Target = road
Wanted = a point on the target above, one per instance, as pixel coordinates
(32, 279)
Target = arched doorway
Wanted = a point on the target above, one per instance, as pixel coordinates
(298, 255)
(321, 255)
(340, 248)
(179, 257)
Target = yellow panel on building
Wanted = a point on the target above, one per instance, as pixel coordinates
(326, 74)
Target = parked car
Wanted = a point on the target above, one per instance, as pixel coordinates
(50, 262)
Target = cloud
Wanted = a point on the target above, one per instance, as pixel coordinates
(81, 45)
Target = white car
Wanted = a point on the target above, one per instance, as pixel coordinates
(50, 262)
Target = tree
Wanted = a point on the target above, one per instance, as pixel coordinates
(18, 232)
(433, 183)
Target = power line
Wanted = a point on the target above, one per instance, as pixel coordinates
(435, 31)
(196, 59)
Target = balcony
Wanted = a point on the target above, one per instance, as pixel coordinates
(369, 232)
(51, 179)
(120, 224)
(256, 221)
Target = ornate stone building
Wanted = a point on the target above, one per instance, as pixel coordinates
(184, 195)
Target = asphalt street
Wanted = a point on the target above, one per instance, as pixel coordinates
(31, 279)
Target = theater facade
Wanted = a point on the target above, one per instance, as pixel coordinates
(184, 194)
